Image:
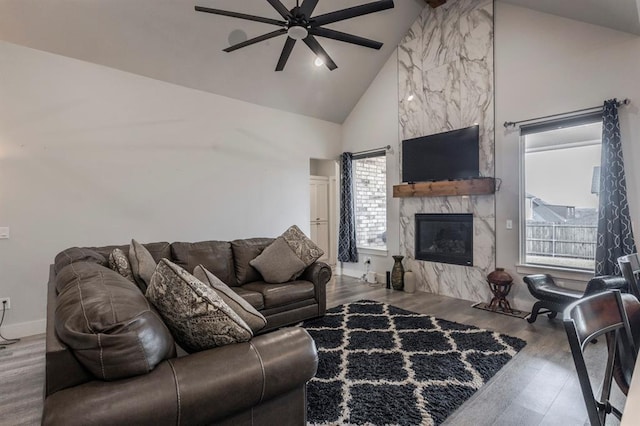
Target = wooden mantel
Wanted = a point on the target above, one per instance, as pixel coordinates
(479, 186)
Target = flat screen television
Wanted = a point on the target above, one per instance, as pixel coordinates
(443, 156)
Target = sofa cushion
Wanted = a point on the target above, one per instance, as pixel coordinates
(160, 250)
(281, 294)
(248, 313)
(244, 251)
(302, 245)
(77, 254)
(278, 263)
(119, 262)
(254, 298)
(198, 318)
(142, 265)
(216, 256)
(109, 325)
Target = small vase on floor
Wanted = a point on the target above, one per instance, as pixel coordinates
(397, 273)
(409, 282)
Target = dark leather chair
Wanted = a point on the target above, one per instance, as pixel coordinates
(605, 313)
(630, 268)
(553, 298)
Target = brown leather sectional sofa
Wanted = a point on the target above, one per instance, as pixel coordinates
(258, 382)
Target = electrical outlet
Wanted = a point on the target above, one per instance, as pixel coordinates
(5, 303)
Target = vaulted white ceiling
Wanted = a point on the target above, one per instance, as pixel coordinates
(621, 15)
(167, 40)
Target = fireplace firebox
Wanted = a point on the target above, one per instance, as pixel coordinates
(445, 238)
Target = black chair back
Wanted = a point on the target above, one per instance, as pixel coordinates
(587, 319)
(630, 268)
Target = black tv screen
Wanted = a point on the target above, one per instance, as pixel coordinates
(443, 156)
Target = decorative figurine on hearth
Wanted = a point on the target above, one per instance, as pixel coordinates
(500, 284)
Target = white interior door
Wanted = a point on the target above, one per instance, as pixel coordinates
(320, 236)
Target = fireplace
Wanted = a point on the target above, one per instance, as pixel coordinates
(445, 238)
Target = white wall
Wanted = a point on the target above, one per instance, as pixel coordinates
(92, 156)
(545, 65)
(373, 123)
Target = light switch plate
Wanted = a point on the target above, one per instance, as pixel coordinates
(4, 233)
(509, 224)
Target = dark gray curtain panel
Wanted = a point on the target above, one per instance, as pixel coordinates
(347, 250)
(615, 237)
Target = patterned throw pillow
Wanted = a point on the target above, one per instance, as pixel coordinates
(302, 246)
(119, 262)
(142, 264)
(198, 318)
(248, 313)
(287, 257)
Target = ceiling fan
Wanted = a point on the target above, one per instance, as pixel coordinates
(298, 24)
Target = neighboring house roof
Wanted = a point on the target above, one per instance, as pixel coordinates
(553, 213)
(543, 212)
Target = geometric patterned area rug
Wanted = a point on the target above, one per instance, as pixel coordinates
(381, 365)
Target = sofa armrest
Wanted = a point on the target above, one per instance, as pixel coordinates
(200, 388)
(319, 273)
(605, 282)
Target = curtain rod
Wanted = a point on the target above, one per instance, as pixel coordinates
(508, 124)
(384, 148)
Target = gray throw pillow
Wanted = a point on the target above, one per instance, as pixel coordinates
(248, 313)
(278, 263)
(119, 262)
(198, 318)
(142, 264)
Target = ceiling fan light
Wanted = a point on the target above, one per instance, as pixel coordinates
(297, 32)
(318, 62)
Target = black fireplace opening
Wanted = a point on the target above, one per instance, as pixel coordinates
(445, 238)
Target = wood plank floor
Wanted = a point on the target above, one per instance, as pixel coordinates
(538, 387)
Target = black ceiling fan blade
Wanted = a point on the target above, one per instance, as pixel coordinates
(240, 15)
(254, 40)
(347, 38)
(286, 51)
(307, 7)
(320, 52)
(280, 8)
(351, 12)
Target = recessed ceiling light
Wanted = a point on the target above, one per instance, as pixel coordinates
(318, 62)
(410, 98)
(237, 36)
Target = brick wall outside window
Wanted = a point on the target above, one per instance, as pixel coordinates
(370, 187)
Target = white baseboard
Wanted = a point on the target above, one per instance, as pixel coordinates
(24, 329)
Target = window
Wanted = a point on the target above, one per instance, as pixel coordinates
(559, 194)
(370, 193)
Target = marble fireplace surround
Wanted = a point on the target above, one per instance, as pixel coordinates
(446, 63)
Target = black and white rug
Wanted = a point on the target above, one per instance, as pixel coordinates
(382, 365)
